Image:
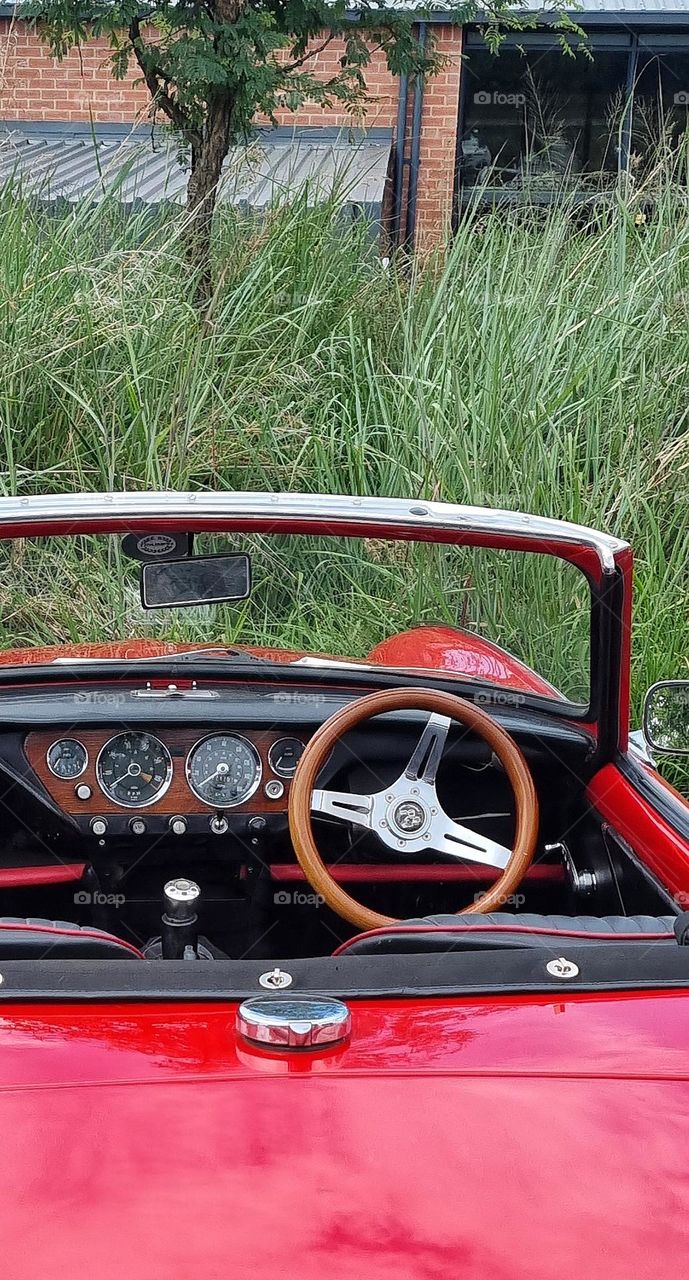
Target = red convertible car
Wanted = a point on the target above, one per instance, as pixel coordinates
(343, 930)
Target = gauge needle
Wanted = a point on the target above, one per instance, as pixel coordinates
(133, 771)
(221, 771)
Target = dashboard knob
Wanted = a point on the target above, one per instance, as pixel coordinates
(83, 791)
(98, 826)
(218, 824)
(177, 825)
(257, 825)
(137, 826)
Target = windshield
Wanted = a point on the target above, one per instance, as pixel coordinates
(342, 597)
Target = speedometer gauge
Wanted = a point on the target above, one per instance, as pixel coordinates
(223, 770)
(134, 769)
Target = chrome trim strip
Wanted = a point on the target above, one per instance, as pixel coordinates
(414, 515)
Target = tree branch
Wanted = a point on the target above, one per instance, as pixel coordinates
(155, 78)
(310, 53)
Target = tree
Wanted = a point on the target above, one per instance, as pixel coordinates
(211, 65)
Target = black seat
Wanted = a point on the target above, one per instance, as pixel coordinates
(501, 929)
(37, 939)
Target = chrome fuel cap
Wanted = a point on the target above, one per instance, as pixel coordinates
(294, 1022)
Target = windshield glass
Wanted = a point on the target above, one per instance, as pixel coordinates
(340, 597)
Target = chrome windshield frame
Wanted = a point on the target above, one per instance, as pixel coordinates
(604, 560)
(395, 517)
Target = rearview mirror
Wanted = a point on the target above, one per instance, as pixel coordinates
(666, 717)
(170, 584)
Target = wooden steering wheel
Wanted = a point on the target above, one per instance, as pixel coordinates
(407, 816)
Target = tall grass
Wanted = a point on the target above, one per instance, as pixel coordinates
(543, 365)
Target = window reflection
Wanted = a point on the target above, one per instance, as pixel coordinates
(536, 119)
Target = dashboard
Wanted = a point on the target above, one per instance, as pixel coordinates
(108, 761)
(129, 779)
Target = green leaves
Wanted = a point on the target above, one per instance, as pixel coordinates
(191, 56)
(211, 65)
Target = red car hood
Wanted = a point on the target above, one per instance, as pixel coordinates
(494, 1139)
(434, 648)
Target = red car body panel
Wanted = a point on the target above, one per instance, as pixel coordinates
(488, 1139)
(463, 653)
(652, 837)
(436, 648)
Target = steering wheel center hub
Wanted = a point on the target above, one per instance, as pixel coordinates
(408, 816)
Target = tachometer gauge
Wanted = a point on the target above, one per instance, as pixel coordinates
(223, 770)
(67, 758)
(284, 756)
(134, 769)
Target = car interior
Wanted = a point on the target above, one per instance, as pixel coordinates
(112, 791)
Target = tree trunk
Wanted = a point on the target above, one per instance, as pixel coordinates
(207, 160)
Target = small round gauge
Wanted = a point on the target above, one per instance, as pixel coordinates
(284, 756)
(223, 770)
(67, 758)
(134, 769)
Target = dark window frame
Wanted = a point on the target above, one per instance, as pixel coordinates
(639, 44)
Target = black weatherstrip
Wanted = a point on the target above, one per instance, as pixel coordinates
(612, 966)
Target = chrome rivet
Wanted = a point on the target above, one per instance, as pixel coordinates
(275, 980)
(562, 968)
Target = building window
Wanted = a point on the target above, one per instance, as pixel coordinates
(536, 120)
(661, 100)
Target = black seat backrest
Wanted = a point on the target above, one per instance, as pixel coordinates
(38, 939)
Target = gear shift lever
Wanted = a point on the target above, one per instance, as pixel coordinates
(179, 933)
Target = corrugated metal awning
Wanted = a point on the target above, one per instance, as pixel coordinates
(55, 163)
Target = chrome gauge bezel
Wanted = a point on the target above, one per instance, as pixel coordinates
(73, 776)
(280, 773)
(239, 737)
(135, 804)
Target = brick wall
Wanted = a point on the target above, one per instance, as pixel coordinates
(34, 86)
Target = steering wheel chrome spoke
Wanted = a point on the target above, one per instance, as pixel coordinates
(345, 806)
(423, 765)
(460, 842)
